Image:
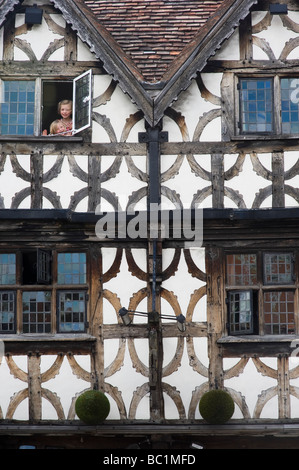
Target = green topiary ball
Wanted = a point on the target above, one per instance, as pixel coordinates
(92, 407)
(216, 406)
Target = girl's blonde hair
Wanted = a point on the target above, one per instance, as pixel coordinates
(53, 126)
(64, 102)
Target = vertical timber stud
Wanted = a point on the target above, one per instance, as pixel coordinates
(34, 387)
(153, 137)
(215, 313)
(96, 319)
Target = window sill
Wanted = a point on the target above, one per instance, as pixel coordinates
(40, 138)
(47, 343)
(264, 137)
(255, 345)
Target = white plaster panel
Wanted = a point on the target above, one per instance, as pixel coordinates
(33, 37)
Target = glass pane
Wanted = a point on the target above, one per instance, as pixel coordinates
(290, 105)
(241, 269)
(71, 311)
(7, 312)
(278, 268)
(279, 313)
(7, 268)
(71, 268)
(37, 312)
(82, 102)
(14, 119)
(256, 105)
(240, 312)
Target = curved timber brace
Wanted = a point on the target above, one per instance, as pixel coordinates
(153, 137)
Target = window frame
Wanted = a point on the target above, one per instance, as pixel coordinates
(260, 288)
(58, 312)
(38, 103)
(240, 121)
(232, 129)
(19, 288)
(247, 331)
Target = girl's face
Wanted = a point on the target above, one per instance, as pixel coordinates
(65, 111)
(60, 128)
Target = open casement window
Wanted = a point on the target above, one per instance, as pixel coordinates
(261, 293)
(36, 267)
(82, 102)
(28, 107)
(240, 307)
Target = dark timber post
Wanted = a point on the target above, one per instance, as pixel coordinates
(153, 137)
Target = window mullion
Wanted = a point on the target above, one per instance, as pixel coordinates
(37, 107)
(277, 105)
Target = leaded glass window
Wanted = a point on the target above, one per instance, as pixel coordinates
(256, 105)
(267, 304)
(17, 107)
(82, 102)
(241, 312)
(71, 311)
(289, 105)
(37, 312)
(241, 269)
(7, 268)
(279, 313)
(7, 311)
(71, 268)
(278, 268)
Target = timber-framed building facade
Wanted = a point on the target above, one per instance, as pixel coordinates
(177, 105)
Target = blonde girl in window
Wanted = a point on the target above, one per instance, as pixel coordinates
(58, 128)
(65, 108)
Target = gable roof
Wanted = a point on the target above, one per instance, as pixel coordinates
(153, 32)
(153, 48)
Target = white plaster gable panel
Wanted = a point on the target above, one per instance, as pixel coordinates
(274, 37)
(83, 51)
(32, 39)
(230, 49)
(195, 106)
(111, 112)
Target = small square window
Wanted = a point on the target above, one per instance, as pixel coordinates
(241, 269)
(256, 105)
(71, 268)
(71, 311)
(7, 311)
(278, 268)
(12, 118)
(7, 268)
(290, 105)
(279, 314)
(37, 312)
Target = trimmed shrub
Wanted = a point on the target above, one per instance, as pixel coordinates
(216, 406)
(92, 407)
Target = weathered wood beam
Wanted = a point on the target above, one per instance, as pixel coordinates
(60, 146)
(48, 69)
(254, 66)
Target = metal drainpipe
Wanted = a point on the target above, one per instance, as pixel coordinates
(153, 137)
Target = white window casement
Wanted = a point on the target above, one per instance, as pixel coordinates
(28, 106)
